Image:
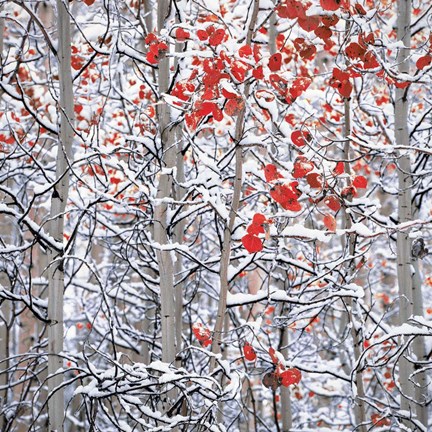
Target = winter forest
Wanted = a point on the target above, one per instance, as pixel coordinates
(215, 215)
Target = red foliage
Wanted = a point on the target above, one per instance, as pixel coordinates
(302, 166)
(330, 5)
(275, 62)
(332, 202)
(360, 182)
(300, 137)
(202, 334)
(252, 243)
(249, 352)
(424, 61)
(330, 222)
(291, 376)
(271, 173)
(182, 35)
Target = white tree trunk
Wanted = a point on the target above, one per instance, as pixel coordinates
(229, 224)
(165, 260)
(4, 282)
(56, 227)
(359, 407)
(411, 299)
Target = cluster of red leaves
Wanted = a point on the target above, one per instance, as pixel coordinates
(183, 90)
(340, 80)
(156, 47)
(286, 195)
(214, 72)
(251, 241)
(214, 36)
(280, 375)
(305, 49)
(359, 53)
(202, 334)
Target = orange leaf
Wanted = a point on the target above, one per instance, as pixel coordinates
(330, 223)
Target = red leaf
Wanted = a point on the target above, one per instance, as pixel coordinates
(314, 180)
(332, 202)
(201, 333)
(259, 218)
(252, 243)
(249, 352)
(302, 166)
(202, 35)
(354, 50)
(217, 37)
(360, 182)
(359, 9)
(290, 376)
(300, 137)
(255, 229)
(330, 222)
(329, 21)
(424, 61)
(339, 169)
(258, 73)
(323, 32)
(309, 23)
(182, 35)
(345, 89)
(233, 106)
(330, 5)
(273, 356)
(271, 173)
(151, 58)
(349, 192)
(275, 62)
(292, 205)
(245, 51)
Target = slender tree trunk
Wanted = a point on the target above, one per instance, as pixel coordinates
(359, 407)
(285, 399)
(56, 227)
(229, 225)
(5, 308)
(411, 300)
(285, 408)
(179, 232)
(164, 257)
(404, 197)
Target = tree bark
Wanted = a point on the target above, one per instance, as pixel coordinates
(168, 162)
(229, 224)
(410, 294)
(56, 225)
(359, 407)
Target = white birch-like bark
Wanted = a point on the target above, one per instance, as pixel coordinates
(410, 294)
(285, 405)
(165, 260)
(56, 226)
(359, 407)
(229, 225)
(5, 307)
